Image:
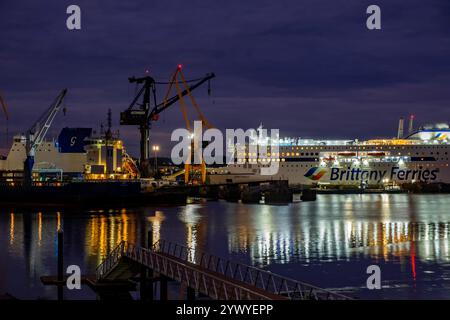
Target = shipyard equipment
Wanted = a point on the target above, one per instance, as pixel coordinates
(36, 134)
(143, 113)
(194, 173)
(5, 111)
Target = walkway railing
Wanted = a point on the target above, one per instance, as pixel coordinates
(262, 279)
(213, 276)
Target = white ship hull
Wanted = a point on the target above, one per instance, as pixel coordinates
(418, 158)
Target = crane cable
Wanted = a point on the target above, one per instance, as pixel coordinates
(174, 80)
(194, 103)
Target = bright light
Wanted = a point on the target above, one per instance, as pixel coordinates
(155, 148)
(366, 163)
(401, 162)
(180, 66)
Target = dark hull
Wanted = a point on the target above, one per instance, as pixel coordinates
(88, 195)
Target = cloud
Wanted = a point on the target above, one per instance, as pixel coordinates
(310, 67)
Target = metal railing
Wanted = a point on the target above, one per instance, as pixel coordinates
(213, 276)
(262, 279)
(213, 286)
(111, 261)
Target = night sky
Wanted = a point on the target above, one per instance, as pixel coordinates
(310, 68)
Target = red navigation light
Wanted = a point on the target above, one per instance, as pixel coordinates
(147, 71)
(180, 66)
(413, 116)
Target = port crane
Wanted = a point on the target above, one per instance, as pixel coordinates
(36, 134)
(194, 173)
(142, 114)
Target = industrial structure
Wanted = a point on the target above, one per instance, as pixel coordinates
(36, 134)
(194, 173)
(80, 154)
(76, 154)
(142, 113)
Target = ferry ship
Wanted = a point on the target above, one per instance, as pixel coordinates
(421, 156)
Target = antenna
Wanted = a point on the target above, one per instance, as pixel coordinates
(400, 128)
(411, 124)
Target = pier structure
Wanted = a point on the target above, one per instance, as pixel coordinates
(201, 275)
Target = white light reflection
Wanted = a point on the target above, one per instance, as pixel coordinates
(191, 218)
(339, 240)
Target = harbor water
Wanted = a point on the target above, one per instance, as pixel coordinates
(329, 242)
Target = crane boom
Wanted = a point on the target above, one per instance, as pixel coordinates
(5, 109)
(36, 134)
(164, 105)
(142, 114)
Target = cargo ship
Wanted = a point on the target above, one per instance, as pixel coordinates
(77, 154)
(78, 169)
(420, 156)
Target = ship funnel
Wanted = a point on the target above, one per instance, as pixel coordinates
(400, 128)
(411, 124)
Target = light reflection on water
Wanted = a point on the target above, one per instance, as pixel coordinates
(328, 242)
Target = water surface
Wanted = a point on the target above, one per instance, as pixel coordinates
(328, 243)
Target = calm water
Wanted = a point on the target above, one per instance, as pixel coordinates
(328, 243)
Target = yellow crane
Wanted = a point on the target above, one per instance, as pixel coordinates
(193, 173)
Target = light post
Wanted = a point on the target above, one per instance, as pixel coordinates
(155, 149)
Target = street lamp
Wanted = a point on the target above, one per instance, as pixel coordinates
(155, 149)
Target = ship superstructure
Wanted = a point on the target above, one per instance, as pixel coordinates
(77, 153)
(421, 156)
